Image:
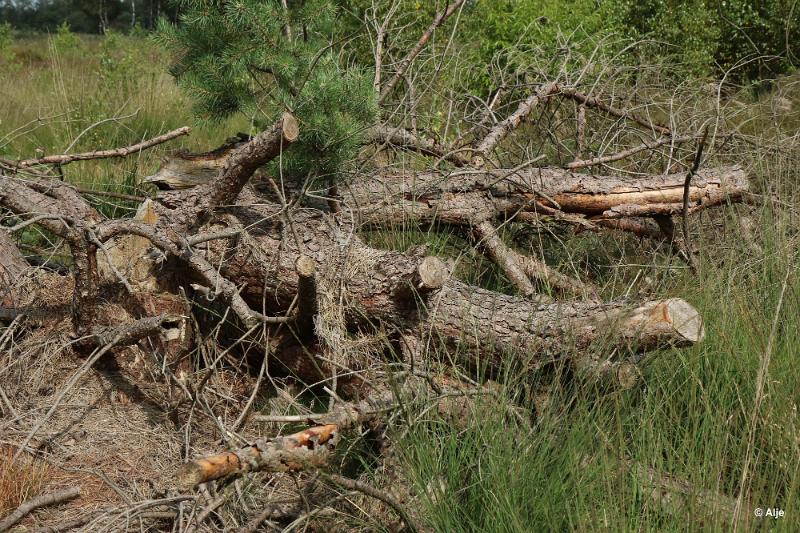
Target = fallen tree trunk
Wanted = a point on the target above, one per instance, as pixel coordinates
(364, 289)
(463, 197)
(371, 287)
(471, 199)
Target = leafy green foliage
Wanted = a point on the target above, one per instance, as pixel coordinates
(758, 38)
(6, 40)
(257, 58)
(518, 34)
(65, 40)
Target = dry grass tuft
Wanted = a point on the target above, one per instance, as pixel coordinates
(20, 480)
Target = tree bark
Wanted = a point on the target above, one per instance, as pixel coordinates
(464, 197)
(371, 285)
(12, 262)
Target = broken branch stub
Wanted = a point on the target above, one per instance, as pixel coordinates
(307, 304)
(308, 448)
(241, 165)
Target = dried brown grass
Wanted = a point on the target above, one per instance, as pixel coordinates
(20, 480)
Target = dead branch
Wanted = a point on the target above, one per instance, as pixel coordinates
(647, 145)
(406, 140)
(100, 154)
(698, 157)
(243, 163)
(501, 254)
(364, 488)
(521, 270)
(127, 334)
(53, 498)
(111, 194)
(464, 197)
(580, 137)
(308, 448)
(594, 102)
(271, 512)
(504, 128)
(405, 63)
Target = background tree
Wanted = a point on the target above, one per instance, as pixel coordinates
(264, 58)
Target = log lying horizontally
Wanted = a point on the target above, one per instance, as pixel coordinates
(469, 196)
(377, 289)
(480, 321)
(481, 200)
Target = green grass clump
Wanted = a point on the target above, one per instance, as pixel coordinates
(89, 92)
(694, 418)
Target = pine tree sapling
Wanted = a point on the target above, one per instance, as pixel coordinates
(263, 58)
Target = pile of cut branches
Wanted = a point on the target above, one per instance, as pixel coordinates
(273, 280)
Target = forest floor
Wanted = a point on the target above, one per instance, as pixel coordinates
(701, 415)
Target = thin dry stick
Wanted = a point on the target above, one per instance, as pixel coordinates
(240, 420)
(205, 513)
(117, 195)
(369, 490)
(273, 511)
(380, 38)
(92, 126)
(405, 63)
(695, 167)
(65, 159)
(647, 145)
(591, 101)
(761, 381)
(52, 498)
(580, 139)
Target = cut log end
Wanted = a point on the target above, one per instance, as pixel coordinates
(685, 320)
(305, 267)
(433, 274)
(290, 127)
(628, 375)
(199, 471)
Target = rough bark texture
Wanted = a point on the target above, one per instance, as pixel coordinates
(12, 262)
(371, 284)
(465, 196)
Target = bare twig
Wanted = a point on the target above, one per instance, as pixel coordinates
(369, 490)
(685, 216)
(110, 194)
(580, 137)
(65, 159)
(591, 101)
(405, 63)
(646, 145)
(52, 498)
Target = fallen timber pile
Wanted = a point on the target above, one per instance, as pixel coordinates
(300, 281)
